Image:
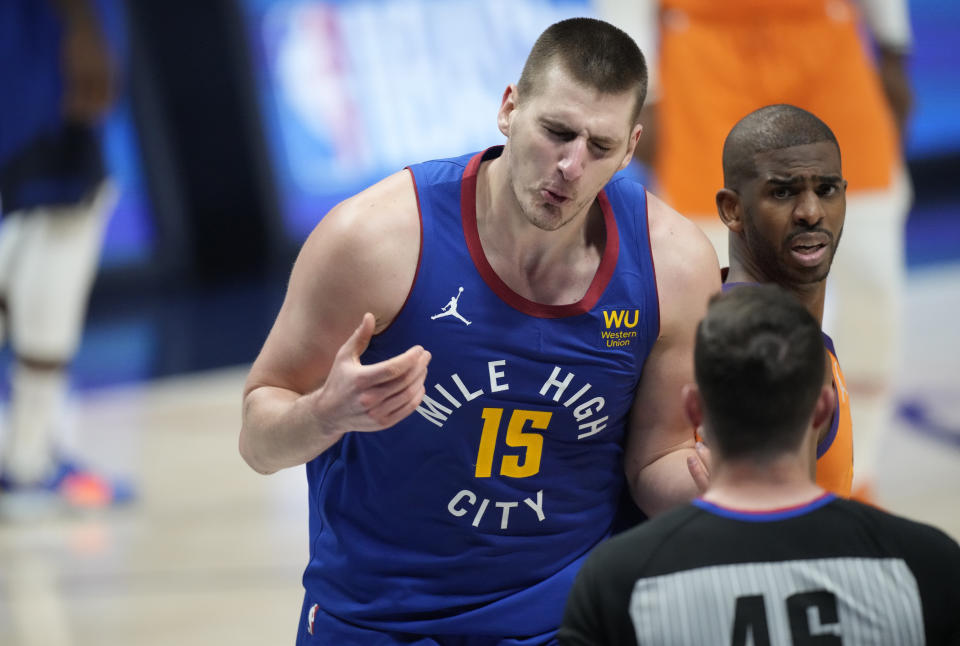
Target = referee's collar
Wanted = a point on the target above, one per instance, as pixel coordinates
(766, 515)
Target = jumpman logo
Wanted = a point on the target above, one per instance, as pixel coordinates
(450, 309)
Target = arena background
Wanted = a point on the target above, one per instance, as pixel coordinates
(242, 122)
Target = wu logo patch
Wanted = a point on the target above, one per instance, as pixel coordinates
(619, 327)
(450, 309)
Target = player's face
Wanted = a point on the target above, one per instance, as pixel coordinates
(565, 142)
(793, 212)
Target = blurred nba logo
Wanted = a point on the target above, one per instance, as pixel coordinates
(316, 84)
(311, 616)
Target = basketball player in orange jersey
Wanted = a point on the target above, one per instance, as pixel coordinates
(784, 203)
(843, 60)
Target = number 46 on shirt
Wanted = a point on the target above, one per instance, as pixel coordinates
(813, 617)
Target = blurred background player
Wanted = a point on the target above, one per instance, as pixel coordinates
(59, 78)
(785, 562)
(712, 62)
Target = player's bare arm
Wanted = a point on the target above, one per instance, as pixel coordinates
(660, 437)
(307, 387)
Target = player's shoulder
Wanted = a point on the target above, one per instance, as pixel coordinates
(683, 257)
(450, 167)
(674, 231)
(368, 244)
(381, 201)
(385, 212)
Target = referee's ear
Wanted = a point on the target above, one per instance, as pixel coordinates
(824, 408)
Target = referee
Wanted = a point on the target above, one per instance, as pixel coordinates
(766, 556)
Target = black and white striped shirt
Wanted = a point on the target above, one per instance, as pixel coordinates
(827, 573)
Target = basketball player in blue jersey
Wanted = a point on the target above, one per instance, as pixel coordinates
(556, 310)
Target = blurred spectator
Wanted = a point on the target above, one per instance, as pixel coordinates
(60, 78)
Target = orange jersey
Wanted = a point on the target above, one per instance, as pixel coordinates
(835, 451)
(720, 61)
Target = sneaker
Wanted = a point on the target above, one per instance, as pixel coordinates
(71, 488)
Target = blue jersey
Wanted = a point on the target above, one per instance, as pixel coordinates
(472, 516)
(30, 34)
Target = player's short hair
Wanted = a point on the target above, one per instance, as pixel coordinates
(773, 127)
(594, 52)
(759, 362)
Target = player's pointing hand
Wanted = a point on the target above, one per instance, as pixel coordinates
(372, 397)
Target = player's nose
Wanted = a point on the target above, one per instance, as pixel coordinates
(573, 158)
(808, 209)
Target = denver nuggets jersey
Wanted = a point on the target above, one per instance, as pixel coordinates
(835, 450)
(472, 515)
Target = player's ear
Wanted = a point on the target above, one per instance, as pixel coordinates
(730, 209)
(631, 146)
(508, 104)
(825, 405)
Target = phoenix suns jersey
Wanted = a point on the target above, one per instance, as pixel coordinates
(835, 450)
(472, 515)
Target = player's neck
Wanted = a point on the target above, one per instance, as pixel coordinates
(755, 485)
(552, 267)
(812, 295)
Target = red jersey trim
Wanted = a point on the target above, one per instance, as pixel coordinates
(608, 262)
(416, 273)
(653, 265)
